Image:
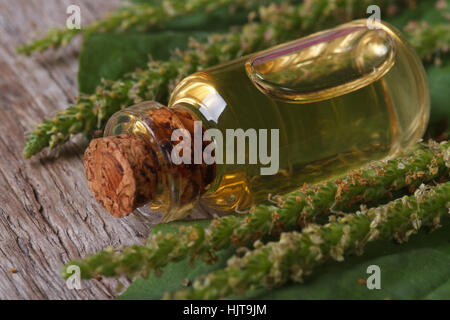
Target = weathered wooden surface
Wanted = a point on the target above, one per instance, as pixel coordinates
(47, 214)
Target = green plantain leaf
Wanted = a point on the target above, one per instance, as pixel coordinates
(175, 274)
(110, 56)
(416, 270)
(419, 269)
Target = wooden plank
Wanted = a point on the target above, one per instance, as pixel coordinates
(47, 214)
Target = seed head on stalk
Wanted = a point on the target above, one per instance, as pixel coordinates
(371, 185)
(296, 254)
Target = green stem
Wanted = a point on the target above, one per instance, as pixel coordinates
(296, 255)
(370, 185)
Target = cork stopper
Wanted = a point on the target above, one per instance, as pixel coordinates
(122, 172)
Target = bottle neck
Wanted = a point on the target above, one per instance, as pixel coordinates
(182, 179)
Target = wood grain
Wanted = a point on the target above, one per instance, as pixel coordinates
(47, 214)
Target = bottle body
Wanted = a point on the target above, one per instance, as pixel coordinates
(338, 99)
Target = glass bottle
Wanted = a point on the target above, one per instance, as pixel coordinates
(338, 98)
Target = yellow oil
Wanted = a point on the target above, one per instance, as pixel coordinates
(340, 99)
